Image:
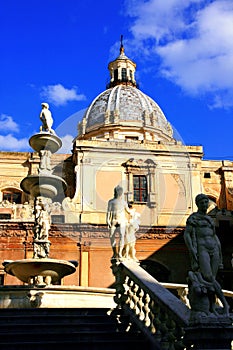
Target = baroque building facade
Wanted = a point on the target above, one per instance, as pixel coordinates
(123, 139)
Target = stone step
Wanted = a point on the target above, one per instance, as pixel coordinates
(71, 344)
(65, 326)
(21, 312)
(75, 328)
(107, 340)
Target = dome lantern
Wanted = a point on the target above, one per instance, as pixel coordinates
(122, 69)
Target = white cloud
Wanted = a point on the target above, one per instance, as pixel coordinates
(7, 123)
(193, 40)
(59, 95)
(11, 143)
(159, 19)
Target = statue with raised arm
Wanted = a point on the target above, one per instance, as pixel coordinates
(46, 118)
(116, 221)
(206, 258)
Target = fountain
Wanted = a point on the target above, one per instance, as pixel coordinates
(43, 186)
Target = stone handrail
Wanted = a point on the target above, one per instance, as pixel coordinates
(182, 292)
(156, 311)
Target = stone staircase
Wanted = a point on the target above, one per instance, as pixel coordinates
(74, 328)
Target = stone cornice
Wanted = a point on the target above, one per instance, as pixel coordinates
(85, 231)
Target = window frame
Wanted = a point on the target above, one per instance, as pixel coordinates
(141, 189)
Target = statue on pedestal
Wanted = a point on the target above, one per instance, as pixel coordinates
(46, 118)
(116, 221)
(45, 161)
(206, 258)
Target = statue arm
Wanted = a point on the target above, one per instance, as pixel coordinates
(190, 241)
(220, 251)
(108, 215)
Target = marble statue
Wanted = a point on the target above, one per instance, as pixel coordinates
(41, 229)
(116, 221)
(46, 118)
(130, 237)
(45, 161)
(206, 259)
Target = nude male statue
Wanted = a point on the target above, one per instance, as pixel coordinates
(204, 248)
(46, 118)
(116, 221)
(130, 237)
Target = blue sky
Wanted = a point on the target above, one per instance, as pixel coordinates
(57, 51)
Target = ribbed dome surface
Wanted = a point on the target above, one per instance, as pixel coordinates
(127, 106)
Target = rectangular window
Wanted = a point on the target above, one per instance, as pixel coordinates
(207, 175)
(123, 74)
(5, 216)
(140, 188)
(1, 280)
(116, 74)
(131, 75)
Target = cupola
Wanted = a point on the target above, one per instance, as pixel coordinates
(122, 69)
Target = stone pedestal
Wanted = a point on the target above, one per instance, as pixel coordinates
(215, 333)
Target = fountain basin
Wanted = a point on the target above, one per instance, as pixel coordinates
(45, 141)
(27, 269)
(43, 185)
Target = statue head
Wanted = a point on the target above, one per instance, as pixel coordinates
(200, 197)
(44, 104)
(118, 190)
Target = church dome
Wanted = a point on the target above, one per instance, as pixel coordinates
(123, 111)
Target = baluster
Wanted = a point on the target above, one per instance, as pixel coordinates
(147, 320)
(179, 334)
(155, 310)
(130, 293)
(120, 296)
(171, 325)
(141, 305)
(136, 299)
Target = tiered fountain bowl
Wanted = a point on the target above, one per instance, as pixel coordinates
(44, 184)
(28, 269)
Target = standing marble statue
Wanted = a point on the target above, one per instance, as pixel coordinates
(130, 235)
(206, 258)
(41, 229)
(46, 118)
(116, 221)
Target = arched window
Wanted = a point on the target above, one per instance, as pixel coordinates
(12, 195)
